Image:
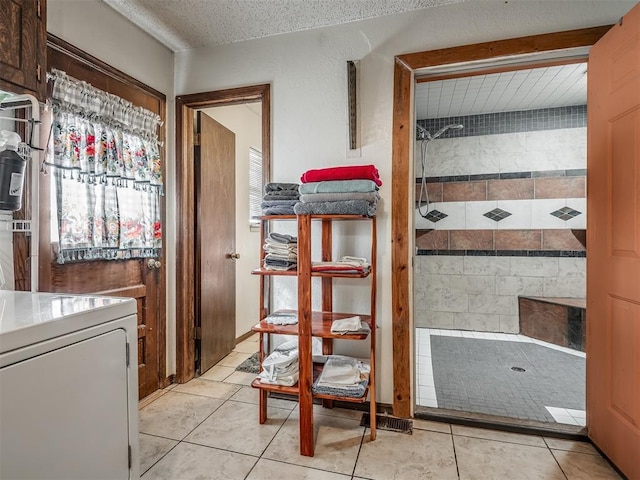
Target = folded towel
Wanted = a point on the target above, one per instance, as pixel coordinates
(334, 197)
(343, 377)
(338, 186)
(349, 172)
(345, 207)
(280, 196)
(273, 264)
(290, 257)
(282, 238)
(282, 318)
(349, 325)
(277, 187)
(278, 203)
(278, 210)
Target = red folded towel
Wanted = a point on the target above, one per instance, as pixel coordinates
(351, 172)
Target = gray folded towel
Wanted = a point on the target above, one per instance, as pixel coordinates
(277, 186)
(278, 210)
(345, 207)
(278, 203)
(282, 238)
(334, 197)
(338, 186)
(287, 195)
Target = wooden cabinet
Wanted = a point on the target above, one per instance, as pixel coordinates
(23, 44)
(318, 323)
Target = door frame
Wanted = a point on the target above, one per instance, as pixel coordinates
(186, 207)
(405, 71)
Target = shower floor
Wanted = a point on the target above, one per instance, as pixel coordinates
(500, 374)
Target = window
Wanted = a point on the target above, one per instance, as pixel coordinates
(255, 186)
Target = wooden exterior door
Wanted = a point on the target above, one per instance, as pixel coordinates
(142, 279)
(613, 244)
(215, 155)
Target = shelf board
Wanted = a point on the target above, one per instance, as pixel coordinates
(264, 271)
(320, 325)
(293, 390)
(293, 273)
(317, 217)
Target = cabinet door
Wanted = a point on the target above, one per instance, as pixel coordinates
(22, 46)
(64, 414)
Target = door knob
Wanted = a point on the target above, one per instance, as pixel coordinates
(234, 256)
(152, 263)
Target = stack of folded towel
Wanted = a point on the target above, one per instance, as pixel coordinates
(343, 377)
(281, 252)
(281, 366)
(349, 325)
(349, 190)
(346, 264)
(279, 198)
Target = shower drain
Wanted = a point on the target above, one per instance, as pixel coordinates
(518, 369)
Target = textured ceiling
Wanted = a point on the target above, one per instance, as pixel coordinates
(184, 24)
(531, 89)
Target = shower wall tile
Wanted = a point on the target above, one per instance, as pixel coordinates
(519, 239)
(520, 214)
(531, 286)
(432, 319)
(472, 283)
(475, 218)
(487, 265)
(421, 223)
(441, 265)
(444, 300)
(481, 322)
(456, 215)
(572, 287)
(580, 221)
(471, 240)
(509, 324)
(464, 191)
(568, 187)
(534, 267)
(517, 189)
(541, 213)
(563, 239)
(495, 304)
(570, 268)
(432, 240)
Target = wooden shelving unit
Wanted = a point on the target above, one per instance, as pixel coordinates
(316, 323)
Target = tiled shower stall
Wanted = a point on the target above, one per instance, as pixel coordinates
(507, 217)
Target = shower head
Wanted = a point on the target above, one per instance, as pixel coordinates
(453, 126)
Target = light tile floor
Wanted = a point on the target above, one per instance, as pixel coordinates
(208, 429)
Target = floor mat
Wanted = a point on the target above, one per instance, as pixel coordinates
(250, 365)
(513, 379)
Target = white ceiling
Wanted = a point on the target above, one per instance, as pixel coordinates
(530, 89)
(184, 24)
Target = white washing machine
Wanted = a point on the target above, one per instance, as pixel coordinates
(68, 387)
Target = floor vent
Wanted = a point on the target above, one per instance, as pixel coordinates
(383, 422)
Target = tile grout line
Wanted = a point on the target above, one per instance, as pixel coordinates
(355, 464)
(455, 454)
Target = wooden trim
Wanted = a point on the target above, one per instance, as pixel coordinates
(504, 68)
(93, 63)
(185, 205)
(402, 183)
(243, 337)
(110, 77)
(502, 48)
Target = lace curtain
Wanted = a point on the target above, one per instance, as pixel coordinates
(108, 173)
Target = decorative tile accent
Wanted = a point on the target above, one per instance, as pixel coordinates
(505, 253)
(435, 216)
(565, 213)
(510, 122)
(498, 214)
(507, 176)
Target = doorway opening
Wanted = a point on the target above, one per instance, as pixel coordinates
(192, 240)
(500, 232)
(406, 68)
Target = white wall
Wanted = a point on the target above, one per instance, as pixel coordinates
(97, 29)
(246, 123)
(308, 73)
